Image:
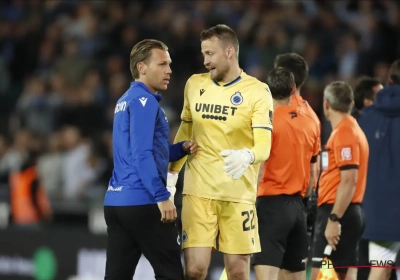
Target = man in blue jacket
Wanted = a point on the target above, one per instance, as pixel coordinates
(137, 191)
(365, 92)
(381, 125)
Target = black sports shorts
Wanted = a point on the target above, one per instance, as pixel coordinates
(352, 227)
(283, 232)
(136, 230)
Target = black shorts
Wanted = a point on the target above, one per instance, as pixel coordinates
(136, 230)
(352, 227)
(283, 232)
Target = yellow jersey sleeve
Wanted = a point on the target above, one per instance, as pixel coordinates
(261, 123)
(186, 114)
(263, 113)
(262, 145)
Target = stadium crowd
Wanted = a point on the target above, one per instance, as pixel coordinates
(63, 65)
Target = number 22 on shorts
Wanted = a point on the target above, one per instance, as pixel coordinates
(248, 223)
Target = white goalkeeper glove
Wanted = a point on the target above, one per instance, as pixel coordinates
(171, 182)
(237, 161)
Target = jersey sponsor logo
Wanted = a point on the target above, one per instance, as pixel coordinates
(346, 153)
(121, 106)
(178, 240)
(143, 100)
(237, 98)
(202, 91)
(216, 112)
(112, 189)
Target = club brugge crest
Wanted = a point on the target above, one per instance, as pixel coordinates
(237, 98)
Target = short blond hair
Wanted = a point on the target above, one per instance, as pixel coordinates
(141, 52)
(224, 33)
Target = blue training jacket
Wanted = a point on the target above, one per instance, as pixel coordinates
(141, 149)
(381, 125)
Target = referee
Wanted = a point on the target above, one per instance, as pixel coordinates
(138, 208)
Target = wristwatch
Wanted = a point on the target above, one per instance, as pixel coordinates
(334, 218)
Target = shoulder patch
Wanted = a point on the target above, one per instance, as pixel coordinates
(346, 153)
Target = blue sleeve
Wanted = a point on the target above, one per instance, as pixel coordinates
(142, 124)
(176, 151)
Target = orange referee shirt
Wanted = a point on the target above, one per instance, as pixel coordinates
(347, 148)
(295, 144)
(297, 101)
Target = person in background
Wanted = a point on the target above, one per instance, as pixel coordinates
(364, 94)
(285, 181)
(381, 125)
(340, 219)
(298, 66)
(30, 205)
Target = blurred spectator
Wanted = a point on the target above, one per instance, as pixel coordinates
(92, 83)
(50, 166)
(71, 64)
(65, 63)
(35, 109)
(81, 110)
(348, 56)
(29, 202)
(75, 170)
(17, 154)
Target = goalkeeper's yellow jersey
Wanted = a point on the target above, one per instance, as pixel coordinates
(223, 117)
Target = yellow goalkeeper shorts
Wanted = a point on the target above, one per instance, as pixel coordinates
(236, 223)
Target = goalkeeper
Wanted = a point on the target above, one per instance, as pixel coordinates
(229, 114)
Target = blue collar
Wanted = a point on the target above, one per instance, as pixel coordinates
(230, 83)
(142, 85)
